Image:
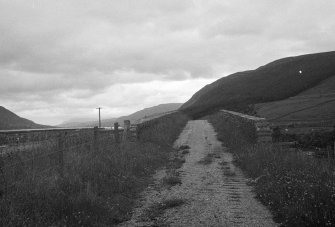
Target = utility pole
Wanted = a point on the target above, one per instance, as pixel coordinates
(99, 117)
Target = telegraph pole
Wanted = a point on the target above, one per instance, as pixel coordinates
(99, 116)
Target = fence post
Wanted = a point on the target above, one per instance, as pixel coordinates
(116, 132)
(133, 133)
(61, 147)
(95, 139)
(3, 182)
(126, 127)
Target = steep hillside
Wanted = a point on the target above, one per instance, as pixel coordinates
(147, 112)
(277, 80)
(315, 104)
(9, 120)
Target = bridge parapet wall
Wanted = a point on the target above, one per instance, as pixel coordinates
(16, 137)
(149, 124)
(255, 129)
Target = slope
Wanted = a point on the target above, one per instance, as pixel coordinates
(315, 105)
(275, 81)
(9, 120)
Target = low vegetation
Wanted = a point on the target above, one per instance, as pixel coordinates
(98, 188)
(157, 209)
(186, 151)
(172, 180)
(317, 139)
(298, 189)
(208, 159)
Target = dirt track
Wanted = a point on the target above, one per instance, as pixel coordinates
(215, 192)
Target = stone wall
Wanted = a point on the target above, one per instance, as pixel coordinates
(16, 137)
(253, 129)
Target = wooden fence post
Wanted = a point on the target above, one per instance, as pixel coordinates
(61, 147)
(95, 139)
(116, 132)
(3, 180)
(126, 128)
(133, 133)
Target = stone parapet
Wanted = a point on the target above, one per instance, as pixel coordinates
(259, 126)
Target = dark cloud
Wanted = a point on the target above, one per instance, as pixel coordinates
(61, 55)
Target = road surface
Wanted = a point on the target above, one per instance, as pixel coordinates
(215, 192)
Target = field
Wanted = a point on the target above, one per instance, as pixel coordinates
(298, 189)
(97, 188)
(313, 105)
(299, 109)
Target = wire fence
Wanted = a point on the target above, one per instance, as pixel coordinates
(45, 154)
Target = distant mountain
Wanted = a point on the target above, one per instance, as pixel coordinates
(134, 117)
(150, 112)
(78, 123)
(275, 81)
(9, 120)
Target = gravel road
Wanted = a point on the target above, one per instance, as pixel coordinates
(213, 189)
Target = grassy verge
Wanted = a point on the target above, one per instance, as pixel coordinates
(298, 189)
(98, 189)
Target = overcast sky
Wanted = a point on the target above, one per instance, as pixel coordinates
(61, 59)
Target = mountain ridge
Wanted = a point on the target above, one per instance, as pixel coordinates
(277, 80)
(10, 121)
(146, 112)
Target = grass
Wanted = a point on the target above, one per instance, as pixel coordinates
(183, 147)
(98, 188)
(186, 151)
(176, 162)
(157, 209)
(298, 189)
(172, 178)
(229, 173)
(208, 159)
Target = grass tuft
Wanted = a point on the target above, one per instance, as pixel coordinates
(183, 147)
(208, 159)
(157, 209)
(229, 173)
(172, 180)
(186, 151)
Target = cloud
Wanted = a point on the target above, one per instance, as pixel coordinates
(79, 50)
(117, 100)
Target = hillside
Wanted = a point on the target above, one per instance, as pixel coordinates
(313, 105)
(275, 81)
(134, 117)
(9, 120)
(150, 112)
